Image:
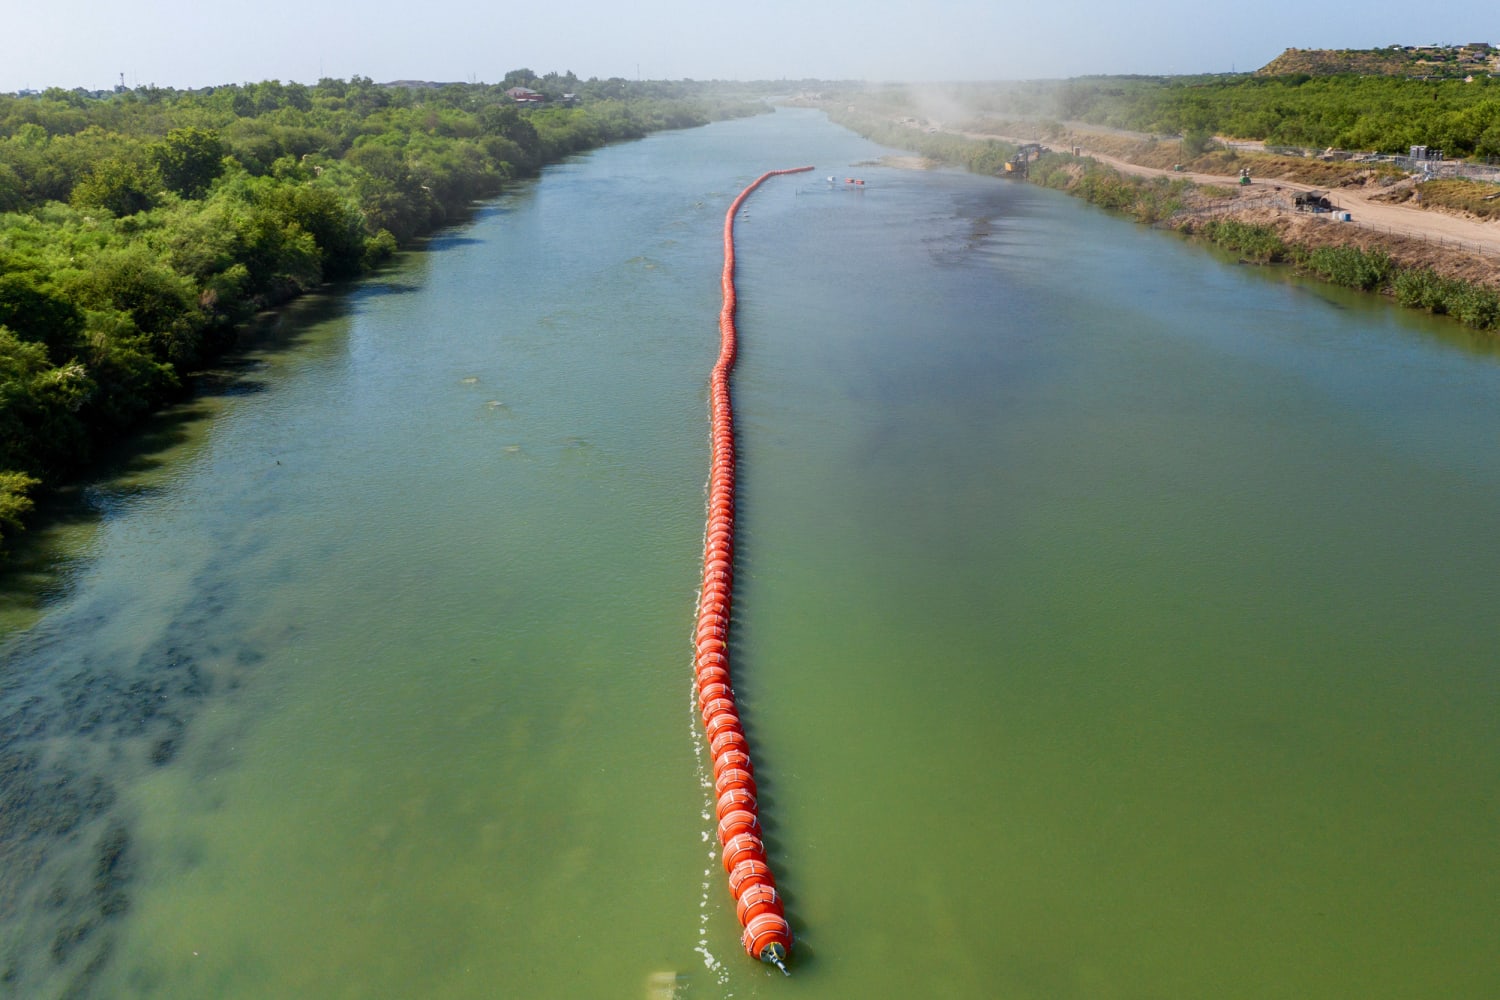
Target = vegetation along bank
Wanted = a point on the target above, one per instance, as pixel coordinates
(140, 228)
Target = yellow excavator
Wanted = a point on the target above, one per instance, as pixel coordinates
(1016, 165)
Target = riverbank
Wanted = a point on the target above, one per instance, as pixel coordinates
(130, 262)
(1377, 216)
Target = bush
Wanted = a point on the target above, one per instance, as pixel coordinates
(1196, 142)
(1259, 243)
(1421, 289)
(1475, 306)
(1351, 267)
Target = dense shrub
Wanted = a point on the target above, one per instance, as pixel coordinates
(1349, 266)
(1260, 243)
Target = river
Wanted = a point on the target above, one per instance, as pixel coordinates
(1112, 619)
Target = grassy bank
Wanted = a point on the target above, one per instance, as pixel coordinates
(1366, 269)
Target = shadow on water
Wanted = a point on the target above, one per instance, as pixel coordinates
(232, 378)
(80, 720)
(445, 242)
(78, 723)
(382, 289)
(38, 562)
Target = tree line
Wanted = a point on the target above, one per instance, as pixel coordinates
(140, 228)
(1383, 114)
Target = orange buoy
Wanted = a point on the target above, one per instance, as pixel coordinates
(743, 847)
(732, 758)
(736, 822)
(710, 690)
(712, 659)
(734, 777)
(719, 706)
(732, 800)
(767, 935)
(721, 723)
(755, 900)
(712, 675)
(747, 873)
(727, 738)
(769, 938)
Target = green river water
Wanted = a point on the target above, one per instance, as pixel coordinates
(1112, 620)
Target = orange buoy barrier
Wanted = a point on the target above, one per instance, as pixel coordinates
(767, 934)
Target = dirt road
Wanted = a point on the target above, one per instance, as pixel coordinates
(1450, 232)
(1404, 220)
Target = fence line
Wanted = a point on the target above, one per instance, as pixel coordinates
(1442, 241)
(1230, 207)
(1474, 170)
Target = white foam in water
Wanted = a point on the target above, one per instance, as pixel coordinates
(709, 961)
(662, 985)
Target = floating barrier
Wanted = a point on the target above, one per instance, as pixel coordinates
(767, 934)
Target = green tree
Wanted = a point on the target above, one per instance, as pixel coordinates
(189, 159)
(119, 185)
(15, 503)
(41, 316)
(40, 426)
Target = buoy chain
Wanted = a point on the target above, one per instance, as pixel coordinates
(767, 935)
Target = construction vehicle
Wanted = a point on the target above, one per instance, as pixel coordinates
(1017, 165)
(1312, 201)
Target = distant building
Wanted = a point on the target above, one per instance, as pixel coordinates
(525, 95)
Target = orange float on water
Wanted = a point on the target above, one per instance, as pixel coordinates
(712, 674)
(724, 722)
(747, 873)
(718, 706)
(732, 758)
(734, 777)
(733, 800)
(743, 847)
(736, 822)
(767, 935)
(769, 938)
(755, 900)
(708, 691)
(727, 738)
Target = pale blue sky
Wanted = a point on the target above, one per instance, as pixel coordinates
(193, 43)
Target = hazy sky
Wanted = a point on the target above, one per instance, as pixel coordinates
(193, 43)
